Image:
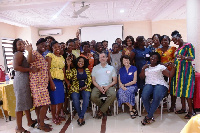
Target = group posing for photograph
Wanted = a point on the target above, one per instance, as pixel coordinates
(57, 72)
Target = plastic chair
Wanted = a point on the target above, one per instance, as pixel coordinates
(70, 106)
(161, 103)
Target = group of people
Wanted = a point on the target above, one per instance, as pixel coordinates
(53, 74)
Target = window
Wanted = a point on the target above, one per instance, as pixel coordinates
(7, 52)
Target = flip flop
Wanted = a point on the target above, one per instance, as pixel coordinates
(182, 111)
(25, 131)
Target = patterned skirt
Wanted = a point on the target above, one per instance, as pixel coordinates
(127, 96)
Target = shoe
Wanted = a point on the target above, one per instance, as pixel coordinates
(135, 112)
(79, 123)
(132, 115)
(108, 112)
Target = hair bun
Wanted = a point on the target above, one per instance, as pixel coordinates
(174, 33)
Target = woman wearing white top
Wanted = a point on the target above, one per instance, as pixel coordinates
(154, 84)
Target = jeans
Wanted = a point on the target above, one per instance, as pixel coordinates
(158, 91)
(76, 102)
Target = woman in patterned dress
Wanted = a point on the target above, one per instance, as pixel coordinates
(56, 65)
(81, 81)
(182, 84)
(167, 56)
(39, 84)
(128, 86)
(129, 40)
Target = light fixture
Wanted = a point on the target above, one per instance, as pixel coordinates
(122, 11)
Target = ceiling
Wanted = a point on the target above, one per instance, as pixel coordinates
(39, 13)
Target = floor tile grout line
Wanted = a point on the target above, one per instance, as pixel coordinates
(103, 124)
(68, 122)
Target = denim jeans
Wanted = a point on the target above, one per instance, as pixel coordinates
(76, 102)
(158, 91)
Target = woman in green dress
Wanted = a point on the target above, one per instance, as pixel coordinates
(182, 84)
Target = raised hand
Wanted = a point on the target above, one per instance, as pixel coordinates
(28, 46)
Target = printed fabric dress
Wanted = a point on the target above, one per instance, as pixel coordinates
(39, 81)
(22, 88)
(182, 84)
(127, 96)
(56, 70)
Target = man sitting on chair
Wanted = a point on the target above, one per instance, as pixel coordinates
(104, 78)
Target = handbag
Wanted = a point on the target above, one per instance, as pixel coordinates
(2, 74)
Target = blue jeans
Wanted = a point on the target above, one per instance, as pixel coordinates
(158, 91)
(76, 102)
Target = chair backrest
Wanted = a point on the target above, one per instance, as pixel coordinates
(2, 74)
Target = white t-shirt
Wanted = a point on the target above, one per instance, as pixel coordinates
(154, 75)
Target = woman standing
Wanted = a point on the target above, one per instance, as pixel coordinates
(21, 83)
(56, 65)
(130, 45)
(182, 84)
(167, 56)
(81, 81)
(156, 42)
(39, 83)
(128, 86)
(140, 54)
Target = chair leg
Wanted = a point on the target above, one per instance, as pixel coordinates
(140, 111)
(123, 107)
(71, 109)
(3, 113)
(161, 109)
(115, 108)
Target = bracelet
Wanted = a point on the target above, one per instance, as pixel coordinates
(186, 58)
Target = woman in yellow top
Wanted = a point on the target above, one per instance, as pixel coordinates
(167, 56)
(56, 65)
(81, 81)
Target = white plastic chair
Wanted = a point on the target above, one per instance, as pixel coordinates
(70, 104)
(161, 103)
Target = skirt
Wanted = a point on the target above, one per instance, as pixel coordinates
(127, 96)
(57, 96)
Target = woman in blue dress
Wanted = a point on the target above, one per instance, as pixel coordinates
(127, 83)
(141, 56)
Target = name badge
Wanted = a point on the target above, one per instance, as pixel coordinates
(107, 71)
(130, 73)
(147, 55)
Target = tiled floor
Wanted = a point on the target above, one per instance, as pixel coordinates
(122, 123)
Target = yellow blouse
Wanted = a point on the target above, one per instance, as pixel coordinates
(72, 75)
(57, 65)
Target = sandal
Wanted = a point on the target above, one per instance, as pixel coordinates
(147, 120)
(46, 118)
(45, 128)
(188, 116)
(132, 115)
(56, 121)
(182, 111)
(33, 124)
(61, 118)
(99, 114)
(25, 131)
(135, 112)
